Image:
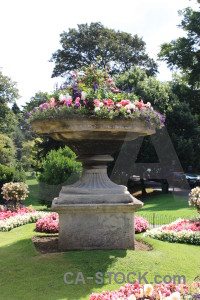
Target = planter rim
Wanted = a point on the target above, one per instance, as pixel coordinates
(81, 125)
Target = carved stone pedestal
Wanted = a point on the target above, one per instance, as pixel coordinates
(95, 213)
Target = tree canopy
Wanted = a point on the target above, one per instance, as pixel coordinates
(8, 94)
(184, 52)
(82, 47)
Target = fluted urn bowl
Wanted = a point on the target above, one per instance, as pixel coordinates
(94, 213)
(92, 136)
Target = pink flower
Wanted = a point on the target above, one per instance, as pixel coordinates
(96, 102)
(68, 102)
(77, 101)
(52, 102)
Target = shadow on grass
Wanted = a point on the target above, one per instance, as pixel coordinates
(41, 276)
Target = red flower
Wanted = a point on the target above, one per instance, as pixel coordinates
(140, 104)
(124, 102)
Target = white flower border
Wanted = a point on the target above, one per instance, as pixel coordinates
(19, 220)
(184, 236)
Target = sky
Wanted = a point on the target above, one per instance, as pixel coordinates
(30, 33)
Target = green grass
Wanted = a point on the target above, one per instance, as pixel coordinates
(27, 274)
(33, 196)
(167, 207)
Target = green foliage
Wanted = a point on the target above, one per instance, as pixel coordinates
(15, 108)
(184, 131)
(7, 150)
(19, 173)
(158, 93)
(181, 122)
(8, 93)
(186, 93)
(184, 53)
(59, 167)
(6, 175)
(39, 98)
(8, 89)
(84, 45)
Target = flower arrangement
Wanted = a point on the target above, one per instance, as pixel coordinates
(180, 231)
(92, 93)
(147, 291)
(194, 198)
(15, 191)
(141, 224)
(49, 224)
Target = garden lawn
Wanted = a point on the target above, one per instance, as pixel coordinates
(27, 274)
(166, 208)
(33, 196)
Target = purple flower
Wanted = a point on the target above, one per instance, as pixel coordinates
(35, 108)
(45, 105)
(95, 86)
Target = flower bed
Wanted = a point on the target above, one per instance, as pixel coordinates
(5, 214)
(180, 231)
(141, 224)
(92, 93)
(49, 224)
(147, 291)
(10, 220)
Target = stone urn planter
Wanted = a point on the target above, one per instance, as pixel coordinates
(94, 213)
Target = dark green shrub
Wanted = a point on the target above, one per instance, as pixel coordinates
(59, 168)
(6, 175)
(19, 173)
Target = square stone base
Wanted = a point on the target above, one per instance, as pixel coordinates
(96, 227)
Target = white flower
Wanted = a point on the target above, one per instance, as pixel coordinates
(61, 97)
(175, 296)
(148, 290)
(132, 297)
(97, 108)
(148, 104)
(128, 111)
(67, 97)
(101, 104)
(83, 95)
(129, 106)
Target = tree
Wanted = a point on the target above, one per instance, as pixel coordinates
(35, 101)
(15, 108)
(8, 93)
(148, 88)
(27, 154)
(7, 150)
(185, 93)
(184, 52)
(181, 123)
(119, 50)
